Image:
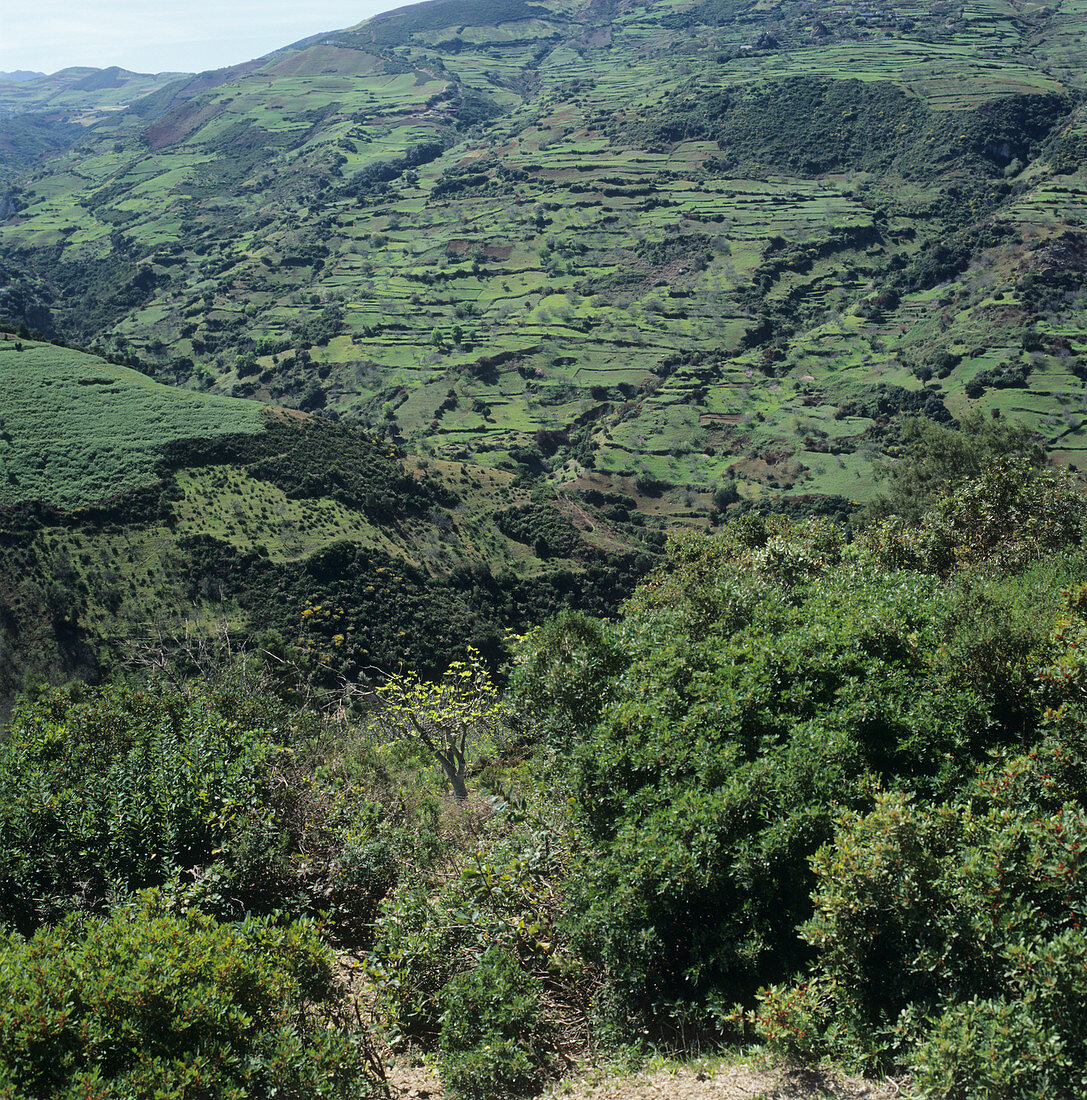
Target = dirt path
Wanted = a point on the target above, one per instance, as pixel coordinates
(733, 1082)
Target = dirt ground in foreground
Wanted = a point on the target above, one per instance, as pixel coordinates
(735, 1082)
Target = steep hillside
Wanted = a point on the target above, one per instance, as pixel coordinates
(134, 514)
(682, 251)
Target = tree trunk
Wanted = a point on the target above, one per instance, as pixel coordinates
(454, 774)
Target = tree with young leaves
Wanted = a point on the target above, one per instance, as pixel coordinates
(448, 717)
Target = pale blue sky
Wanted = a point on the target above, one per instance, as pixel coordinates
(170, 35)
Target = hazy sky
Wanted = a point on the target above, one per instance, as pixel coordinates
(151, 36)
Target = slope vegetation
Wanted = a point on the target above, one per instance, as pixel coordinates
(662, 248)
(136, 515)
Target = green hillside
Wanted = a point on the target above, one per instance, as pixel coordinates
(439, 614)
(79, 91)
(663, 245)
(133, 513)
(75, 429)
(40, 114)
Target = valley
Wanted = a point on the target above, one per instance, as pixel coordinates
(678, 246)
(541, 541)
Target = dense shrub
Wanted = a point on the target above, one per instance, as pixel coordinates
(949, 939)
(930, 459)
(563, 673)
(1009, 515)
(541, 526)
(502, 896)
(116, 792)
(771, 678)
(738, 731)
(493, 1043)
(175, 1005)
(216, 793)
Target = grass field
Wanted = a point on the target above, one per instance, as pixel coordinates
(75, 429)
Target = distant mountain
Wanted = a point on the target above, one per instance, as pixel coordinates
(20, 74)
(78, 89)
(688, 253)
(47, 114)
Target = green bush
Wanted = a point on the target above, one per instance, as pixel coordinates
(215, 793)
(118, 791)
(949, 941)
(1011, 514)
(493, 1042)
(502, 897)
(773, 678)
(149, 1002)
(731, 745)
(563, 673)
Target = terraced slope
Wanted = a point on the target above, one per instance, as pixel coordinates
(678, 250)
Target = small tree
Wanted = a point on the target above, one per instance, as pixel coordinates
(446, 716)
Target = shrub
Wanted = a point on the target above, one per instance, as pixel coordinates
(116, 792)
(503, 897)
(107, 791)
(948, 940)
(175, 1005)
(563, 673)
(1012, 513)
(757, 704)
(493, 1043)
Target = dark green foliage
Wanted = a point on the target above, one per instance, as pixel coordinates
(323, 327)
(374, 178)
(27, 137)
(393, 611)
(733, 741)
(340, 462)
(949, 256)
(318, 458)
(501, 898)
(150, 1002)
(888, 401)
(811, 125)
(125, 284)
(564, 673)
(931, 457)
(107, 791)
(119, 791)
(773, 678)
(398, 28)
(493, 1043)
(1011, 514)
(710, 11)
(948, 937)
(541, 526)
(1011, 375)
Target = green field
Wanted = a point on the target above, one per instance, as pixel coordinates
(75, 430)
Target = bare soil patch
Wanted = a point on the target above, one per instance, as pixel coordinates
(730, 1082)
